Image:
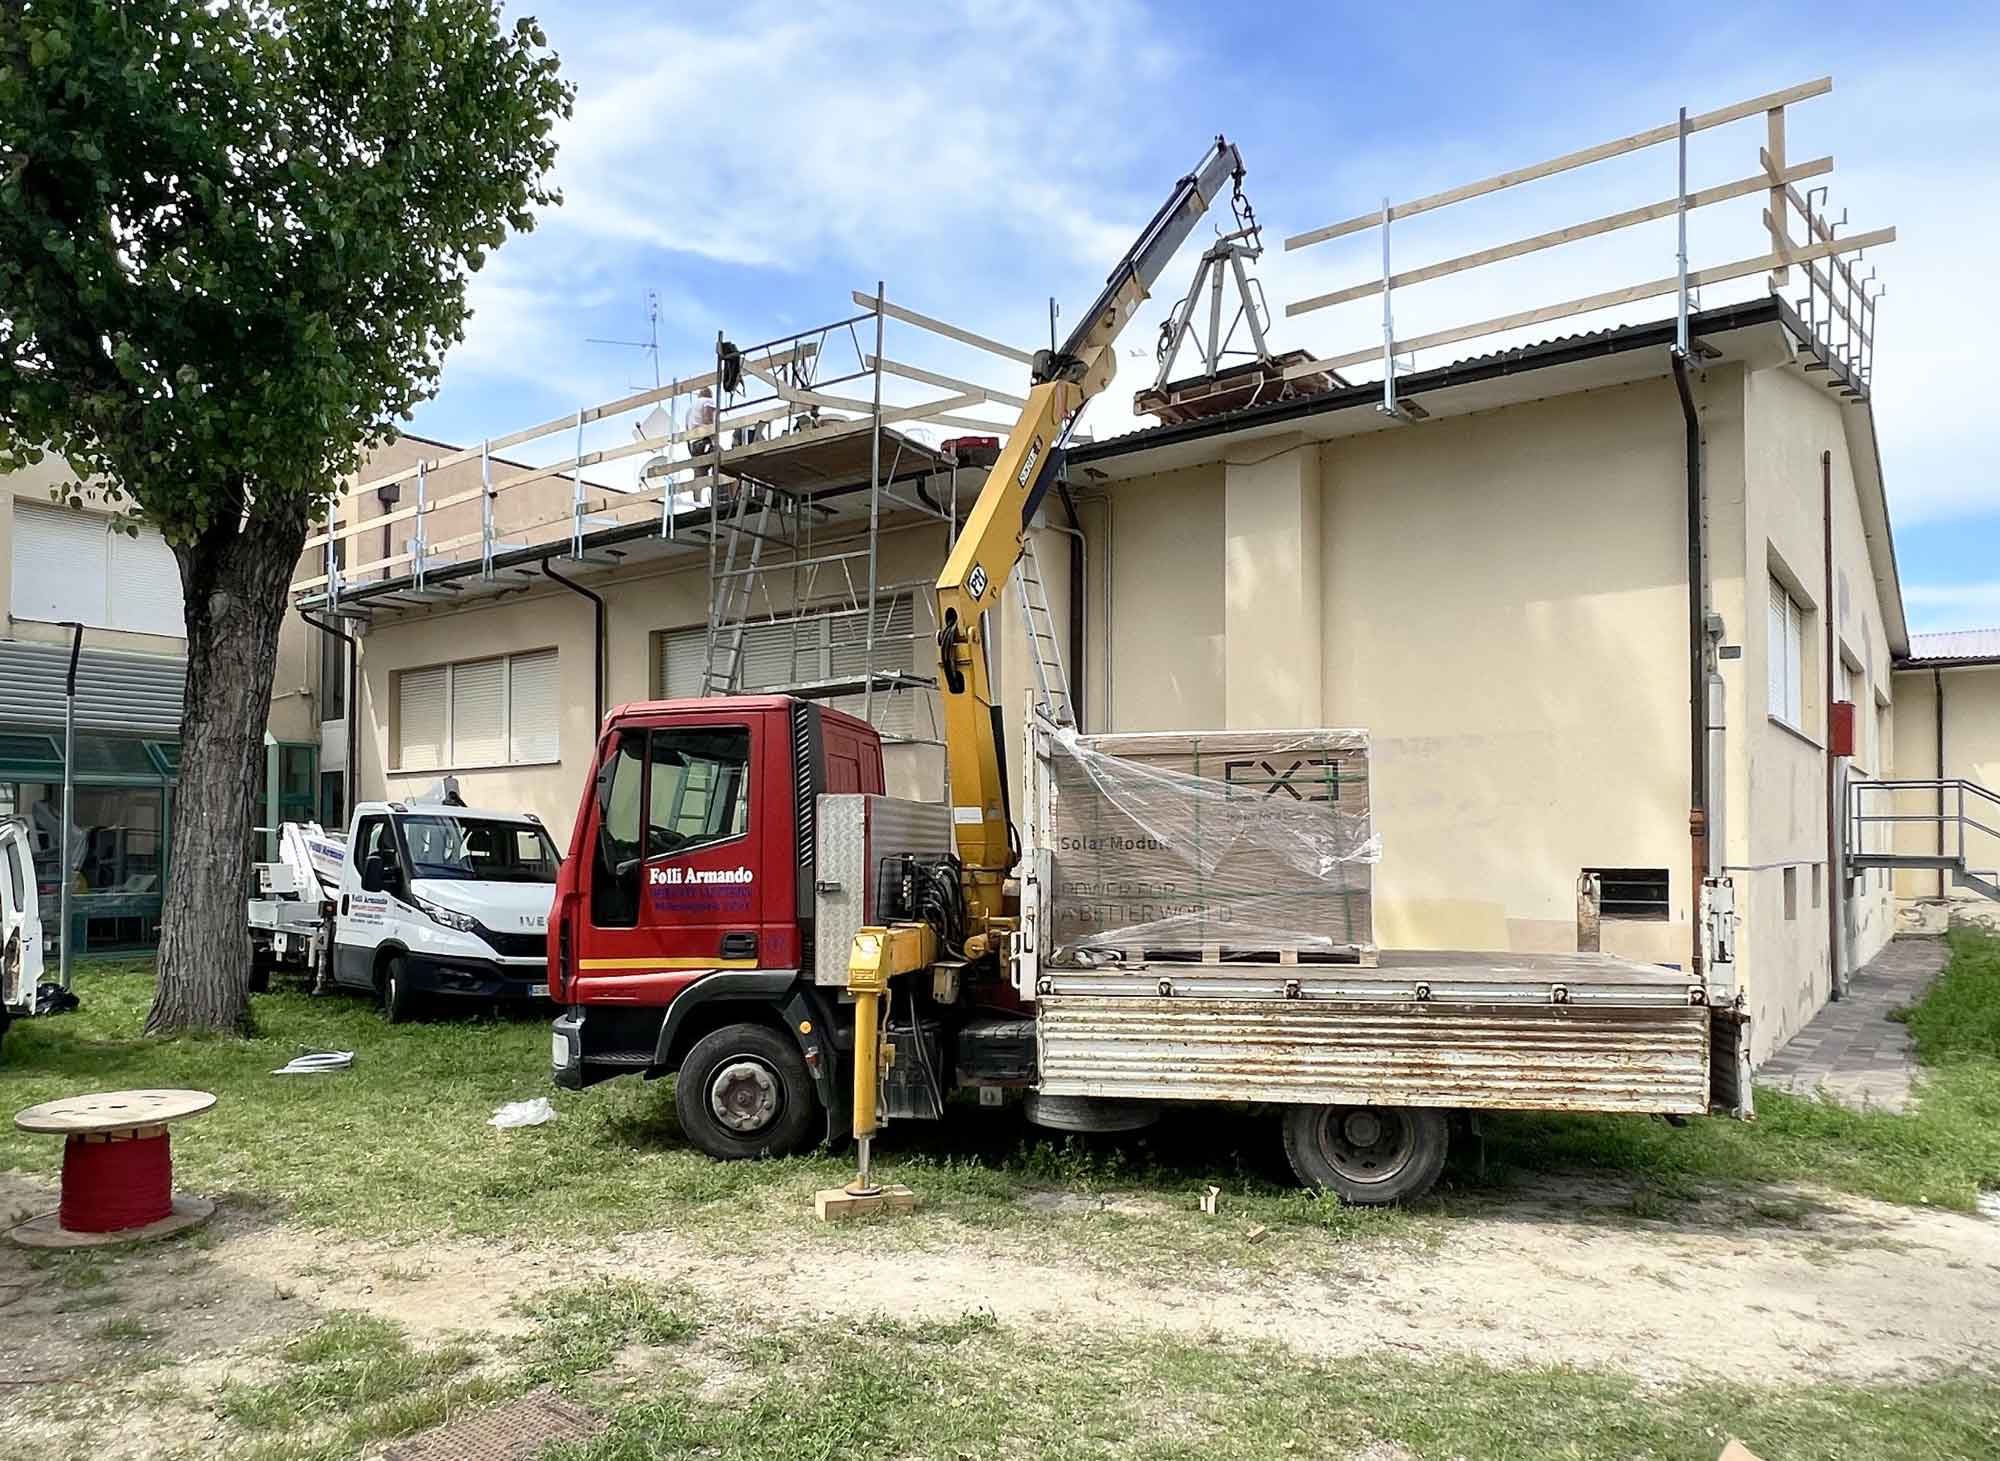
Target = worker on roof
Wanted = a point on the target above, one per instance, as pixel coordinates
(703, 415)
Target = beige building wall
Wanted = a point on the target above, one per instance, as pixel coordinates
(1497, 599)
(1500, 600)
(1779, 777)
(1972, 751)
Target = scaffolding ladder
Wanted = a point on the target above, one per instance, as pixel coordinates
(733, 584)
(1052, 696)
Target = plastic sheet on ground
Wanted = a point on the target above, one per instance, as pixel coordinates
(523, 1113)
(1249, 844)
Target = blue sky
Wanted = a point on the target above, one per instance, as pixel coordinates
(752, 163)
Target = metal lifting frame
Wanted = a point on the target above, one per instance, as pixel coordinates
(1225, 255)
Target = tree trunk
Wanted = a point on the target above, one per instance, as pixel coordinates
(236, 590)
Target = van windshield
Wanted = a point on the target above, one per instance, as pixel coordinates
(472, 850)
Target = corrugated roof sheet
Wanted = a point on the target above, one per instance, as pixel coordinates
(1957, 644)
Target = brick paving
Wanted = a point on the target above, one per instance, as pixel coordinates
(1852, 1052)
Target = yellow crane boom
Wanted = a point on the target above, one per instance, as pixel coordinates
(982, 559)
(989, 546)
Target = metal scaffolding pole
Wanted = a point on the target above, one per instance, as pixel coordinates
(874, 517)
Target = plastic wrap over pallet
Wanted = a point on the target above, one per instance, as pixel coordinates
(1252, 845)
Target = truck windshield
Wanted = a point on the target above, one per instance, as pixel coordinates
(472, 850)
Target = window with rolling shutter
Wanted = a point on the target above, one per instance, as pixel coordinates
(145, 584)
(479, 713)
(86, 567)
(534, 708)
(493, 712)
(681, 656)
(420, 718)
(831, 645)
(1785, 658)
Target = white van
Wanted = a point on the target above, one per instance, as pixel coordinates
(426, 899)
(20, 923)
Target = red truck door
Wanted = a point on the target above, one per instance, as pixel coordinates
(679, 884)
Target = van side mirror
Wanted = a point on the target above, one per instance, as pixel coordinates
(380, 874)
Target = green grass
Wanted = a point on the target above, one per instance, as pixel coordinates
(1944, 1152)
(975, 1388)
(348, 1381)
(398, 1147)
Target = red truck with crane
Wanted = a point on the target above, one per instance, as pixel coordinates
(743, 908)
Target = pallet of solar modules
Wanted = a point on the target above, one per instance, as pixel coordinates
(1217, 848)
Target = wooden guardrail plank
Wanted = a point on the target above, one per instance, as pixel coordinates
(1611, 222)
(1633, 143)
(1718, 274)
(939, 327)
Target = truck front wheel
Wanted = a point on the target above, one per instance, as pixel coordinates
(399, 1001)
(1370, 1156)
(743, 1091)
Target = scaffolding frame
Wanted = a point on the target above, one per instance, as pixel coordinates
(754, 498)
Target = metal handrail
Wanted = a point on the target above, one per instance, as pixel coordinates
(1957, 817)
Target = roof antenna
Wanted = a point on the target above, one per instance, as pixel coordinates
(651, 344)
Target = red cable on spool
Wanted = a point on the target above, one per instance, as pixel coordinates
(109, 1186)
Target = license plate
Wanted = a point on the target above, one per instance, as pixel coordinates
(538, 991)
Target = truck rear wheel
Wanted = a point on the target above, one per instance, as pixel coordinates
(1370, 1156)
(743, 1091)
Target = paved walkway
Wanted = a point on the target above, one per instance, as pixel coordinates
(1852, 1051)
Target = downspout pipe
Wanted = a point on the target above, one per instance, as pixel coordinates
(1697, 666)
(352, 776)
(1079, 600)
(1836, 883)
(597, 659)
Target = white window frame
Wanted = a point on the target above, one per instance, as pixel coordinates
(1786, 635)
(448, 761)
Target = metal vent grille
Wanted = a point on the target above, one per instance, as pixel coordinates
(805, 789)
(514, 1432)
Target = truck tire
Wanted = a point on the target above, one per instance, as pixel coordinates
(399, 1001)
(743, 1091)
(1370, 1156)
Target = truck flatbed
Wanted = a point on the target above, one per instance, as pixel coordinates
(1439, 1028)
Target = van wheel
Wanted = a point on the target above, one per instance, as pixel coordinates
(1370, 1156)
(744, 1092)
(399, 1002)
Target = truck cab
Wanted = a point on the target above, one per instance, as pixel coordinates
(436, 900)
(687, 915)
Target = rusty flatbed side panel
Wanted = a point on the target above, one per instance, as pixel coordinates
(1494, 1057)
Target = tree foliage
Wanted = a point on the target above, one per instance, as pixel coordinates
(234, 238)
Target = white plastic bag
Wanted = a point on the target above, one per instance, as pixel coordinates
(537, 1112)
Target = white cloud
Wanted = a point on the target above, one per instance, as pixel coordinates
(844, 133)
(1938, 606)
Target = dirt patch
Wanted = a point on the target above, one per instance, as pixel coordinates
(1764, 1285)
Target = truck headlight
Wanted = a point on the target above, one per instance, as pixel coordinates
(449, 917)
